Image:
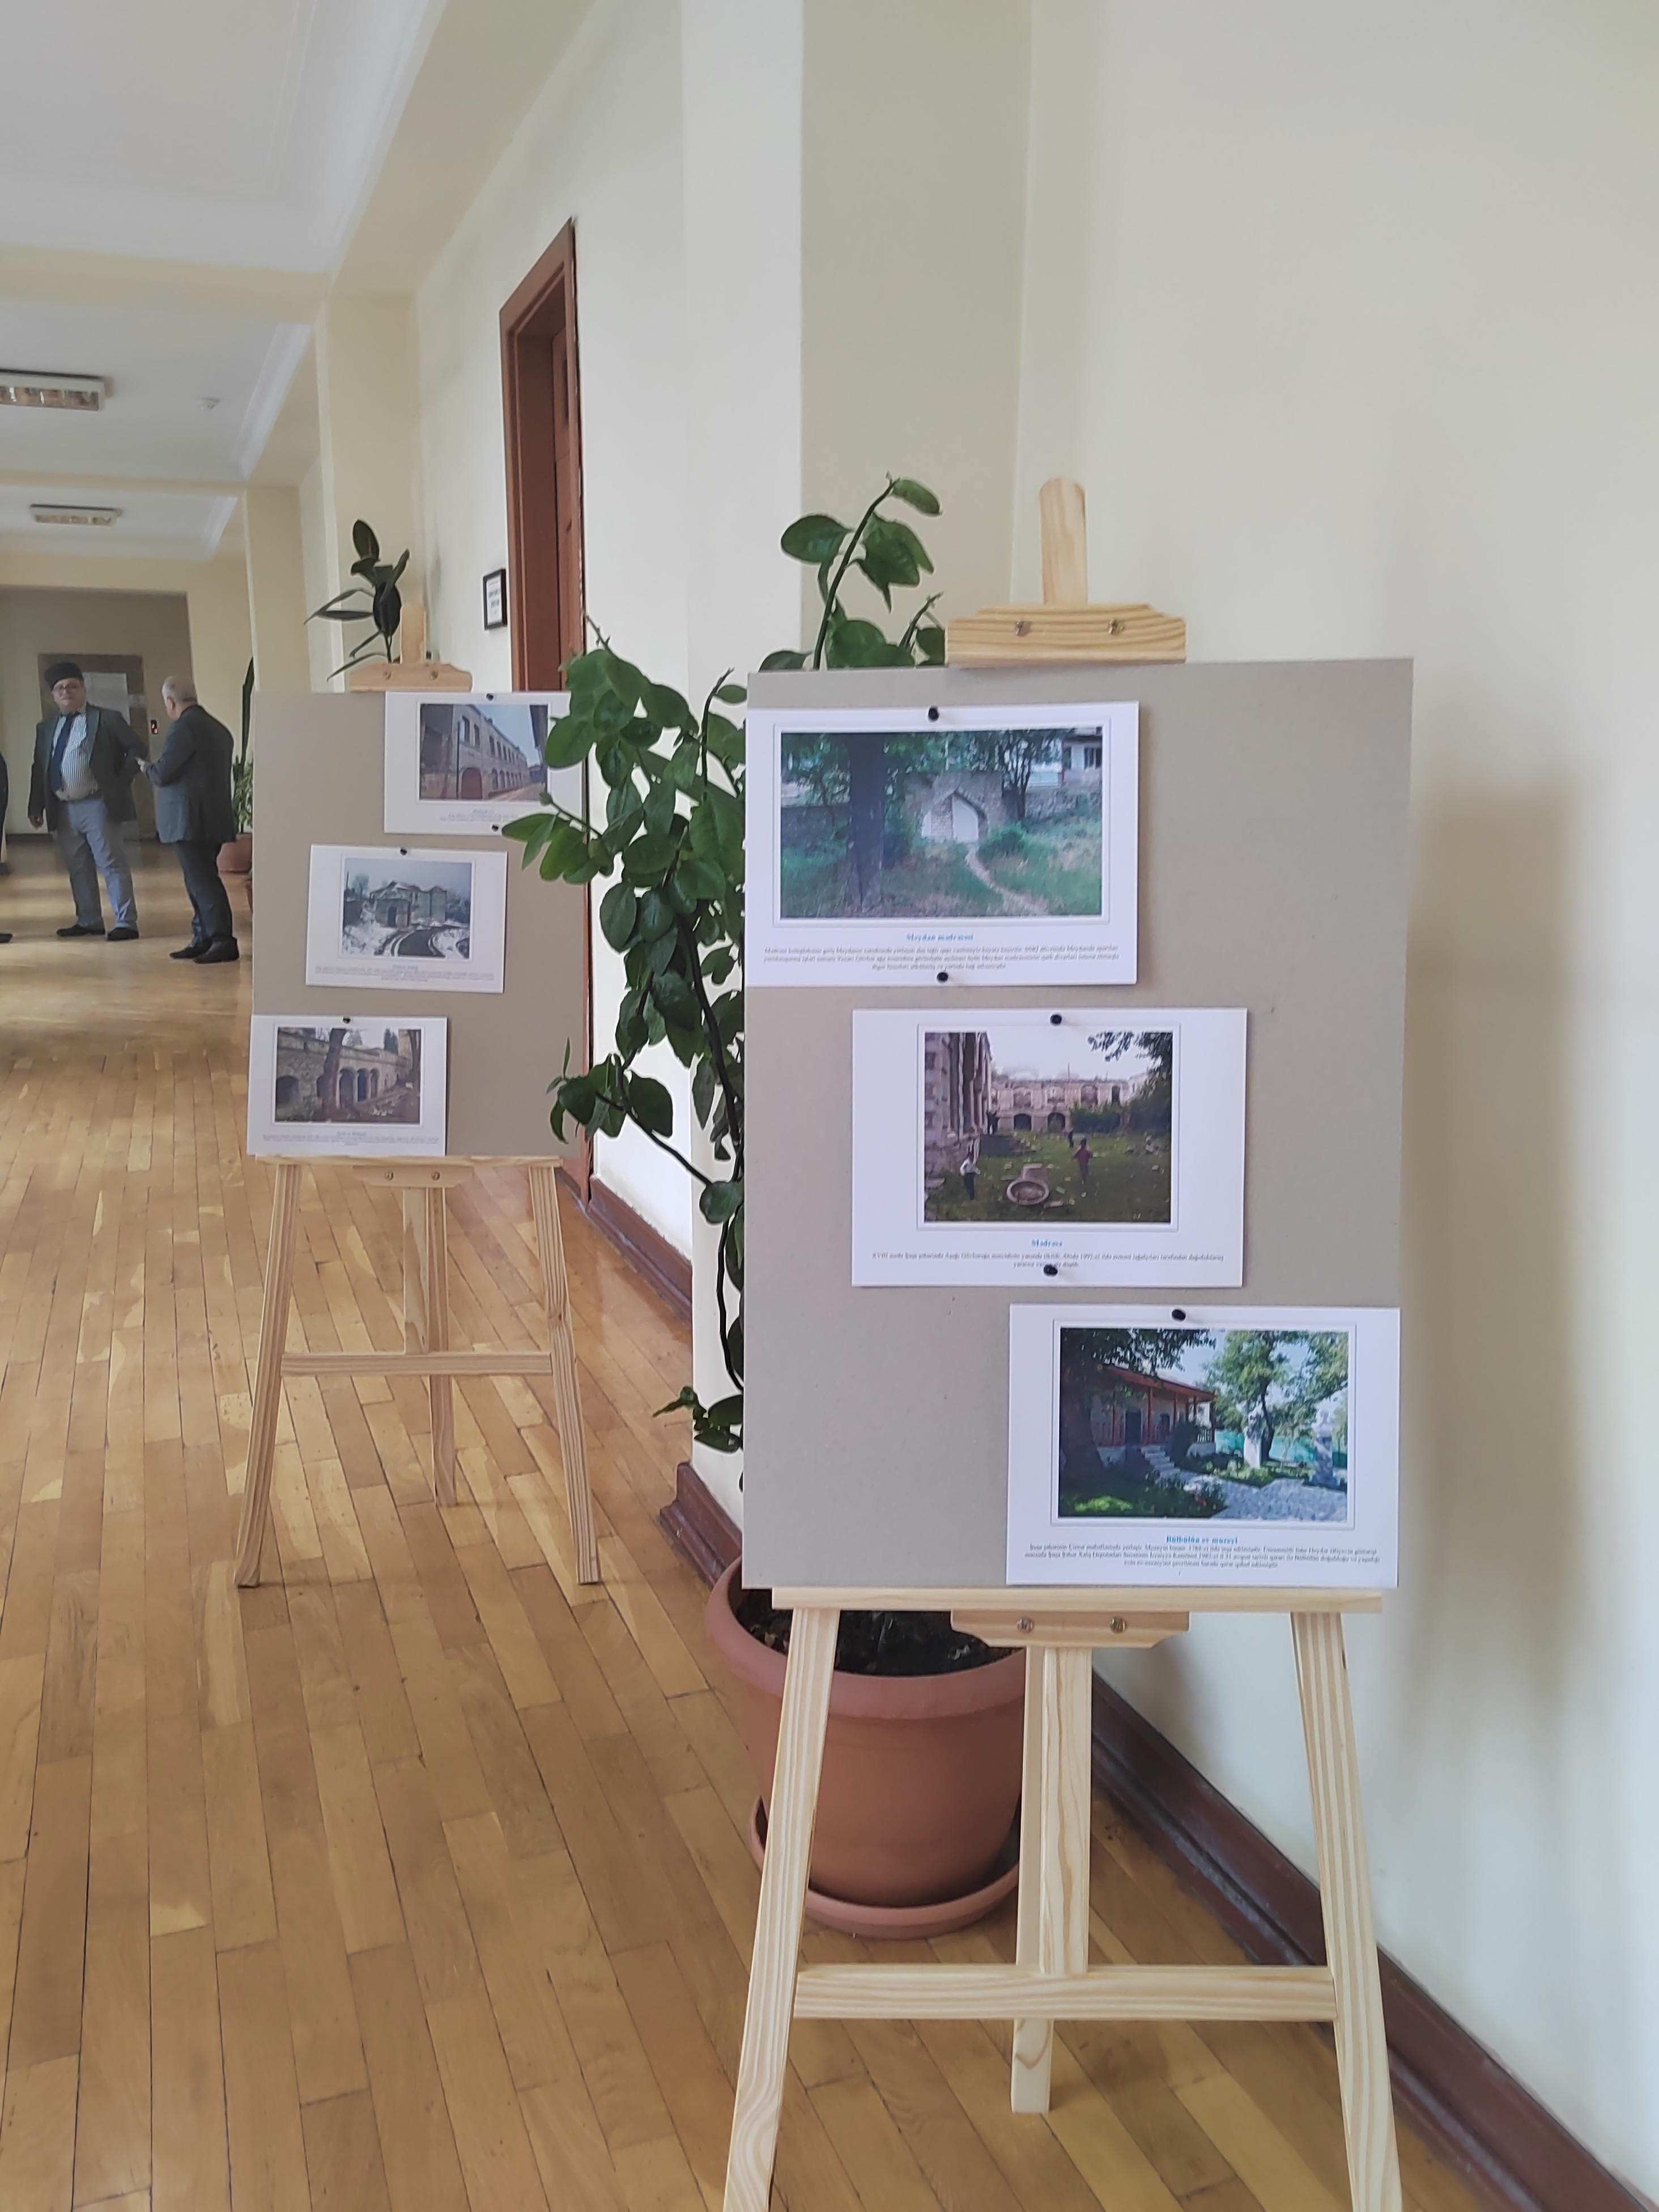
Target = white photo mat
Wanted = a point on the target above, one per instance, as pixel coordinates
(476, 760)
(1184, 1180)
(1325, 1515)
(398, 1092)
(366, 942)
(1090, 758)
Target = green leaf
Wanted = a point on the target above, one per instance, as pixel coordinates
(784, 658)
(660, 808)
(649, 858)
(568, 742)
(656, 917)
(365, 544)
(666, 707)
(698, 879)
(618, 911)
(914, 494)
(703, 1090)
(813, 538)
(732, 694)
(930, 643)
(857, 645)
(673, 997)
(623, 678)
(649, 1103)
(720, 1200)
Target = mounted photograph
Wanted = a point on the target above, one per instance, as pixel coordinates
(401, 919)
(1039, 1145)
(360, 1084)
(1020, 1120)
(1214, 1445)
(469, 762)
(978, 842)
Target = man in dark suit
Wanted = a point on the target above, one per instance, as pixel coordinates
(190, 778)
(80, 787)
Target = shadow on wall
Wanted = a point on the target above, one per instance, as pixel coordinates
(1499, 1444)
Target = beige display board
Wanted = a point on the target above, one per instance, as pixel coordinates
(1274, 866)
(320, 780)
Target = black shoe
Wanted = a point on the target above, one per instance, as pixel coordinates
(223, 948)
(80, 929)
(193, 951)
(122, 935)
(5, 937)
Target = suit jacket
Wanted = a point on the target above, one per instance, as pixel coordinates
(191, 782)
(117, 750)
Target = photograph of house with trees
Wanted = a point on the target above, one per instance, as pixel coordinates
(1204, 1424)
(1028, 1122)
(961, 825)
(334, 1073)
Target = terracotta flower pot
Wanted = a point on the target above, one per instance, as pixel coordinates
(921, 1773)
(236, 858)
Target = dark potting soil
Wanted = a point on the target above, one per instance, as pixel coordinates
(875, 1643)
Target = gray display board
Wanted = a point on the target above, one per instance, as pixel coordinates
(320, 779)
(1273, 875)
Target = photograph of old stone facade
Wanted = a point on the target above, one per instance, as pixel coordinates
(405, 906)
(1029, 1123)
(1204, 1424)
(484, 752)
(969, 825)
(339, 1073)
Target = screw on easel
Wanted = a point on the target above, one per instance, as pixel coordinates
(1117, 1624)
(1025, 1624)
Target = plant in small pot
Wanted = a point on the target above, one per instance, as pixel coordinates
(236, 854)
(921, 1769)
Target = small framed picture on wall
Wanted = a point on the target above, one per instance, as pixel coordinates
(494, 599)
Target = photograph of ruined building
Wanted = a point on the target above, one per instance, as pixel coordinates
(469, 752)
(978, 825)
(1027, 1123)
(335, 1074)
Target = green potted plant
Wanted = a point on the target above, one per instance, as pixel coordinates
(922, 1761)
(236, 854)
(374, 600)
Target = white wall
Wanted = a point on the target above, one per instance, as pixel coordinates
(602, 144)
(1348, 318)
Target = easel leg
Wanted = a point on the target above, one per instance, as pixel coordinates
(1345, 1893)
(567, 1399)
(268, 1374)
(782, 1900)
(1033, 2040)
(1061, 1852)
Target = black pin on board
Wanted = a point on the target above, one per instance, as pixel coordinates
(1273, 872)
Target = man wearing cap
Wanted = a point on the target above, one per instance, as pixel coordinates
(85, 759)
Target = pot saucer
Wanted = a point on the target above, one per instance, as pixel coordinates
(903, 1922)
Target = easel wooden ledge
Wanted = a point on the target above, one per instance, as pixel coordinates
(1051, 1978)
(426, 1352)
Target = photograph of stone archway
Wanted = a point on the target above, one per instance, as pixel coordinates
(338, 1073)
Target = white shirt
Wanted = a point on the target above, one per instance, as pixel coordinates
(76, 776)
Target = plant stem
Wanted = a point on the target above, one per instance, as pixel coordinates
(833, 593)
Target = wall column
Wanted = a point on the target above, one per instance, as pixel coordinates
(368, 406)
(275, 588)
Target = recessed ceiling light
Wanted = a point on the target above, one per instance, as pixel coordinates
(39, 388)
(98, 517)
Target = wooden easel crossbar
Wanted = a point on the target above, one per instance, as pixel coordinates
(427, 1352)
(1051, 1978)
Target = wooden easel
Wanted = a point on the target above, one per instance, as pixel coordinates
(1051, 1978)
(426, 1352)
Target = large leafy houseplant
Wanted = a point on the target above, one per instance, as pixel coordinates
(671, 834)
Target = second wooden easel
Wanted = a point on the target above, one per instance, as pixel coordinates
(424, 1185)
(1051, 1978)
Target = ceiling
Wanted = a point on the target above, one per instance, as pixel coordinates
(220, 168)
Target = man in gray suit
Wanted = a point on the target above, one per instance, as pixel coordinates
(85, 759)
(190, 778)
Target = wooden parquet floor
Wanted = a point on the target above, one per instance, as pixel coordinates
(416, 1879)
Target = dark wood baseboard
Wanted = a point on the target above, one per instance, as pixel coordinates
(699, 1526)
(1511, 2152)
(1491, 2130)
(646, 1250)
